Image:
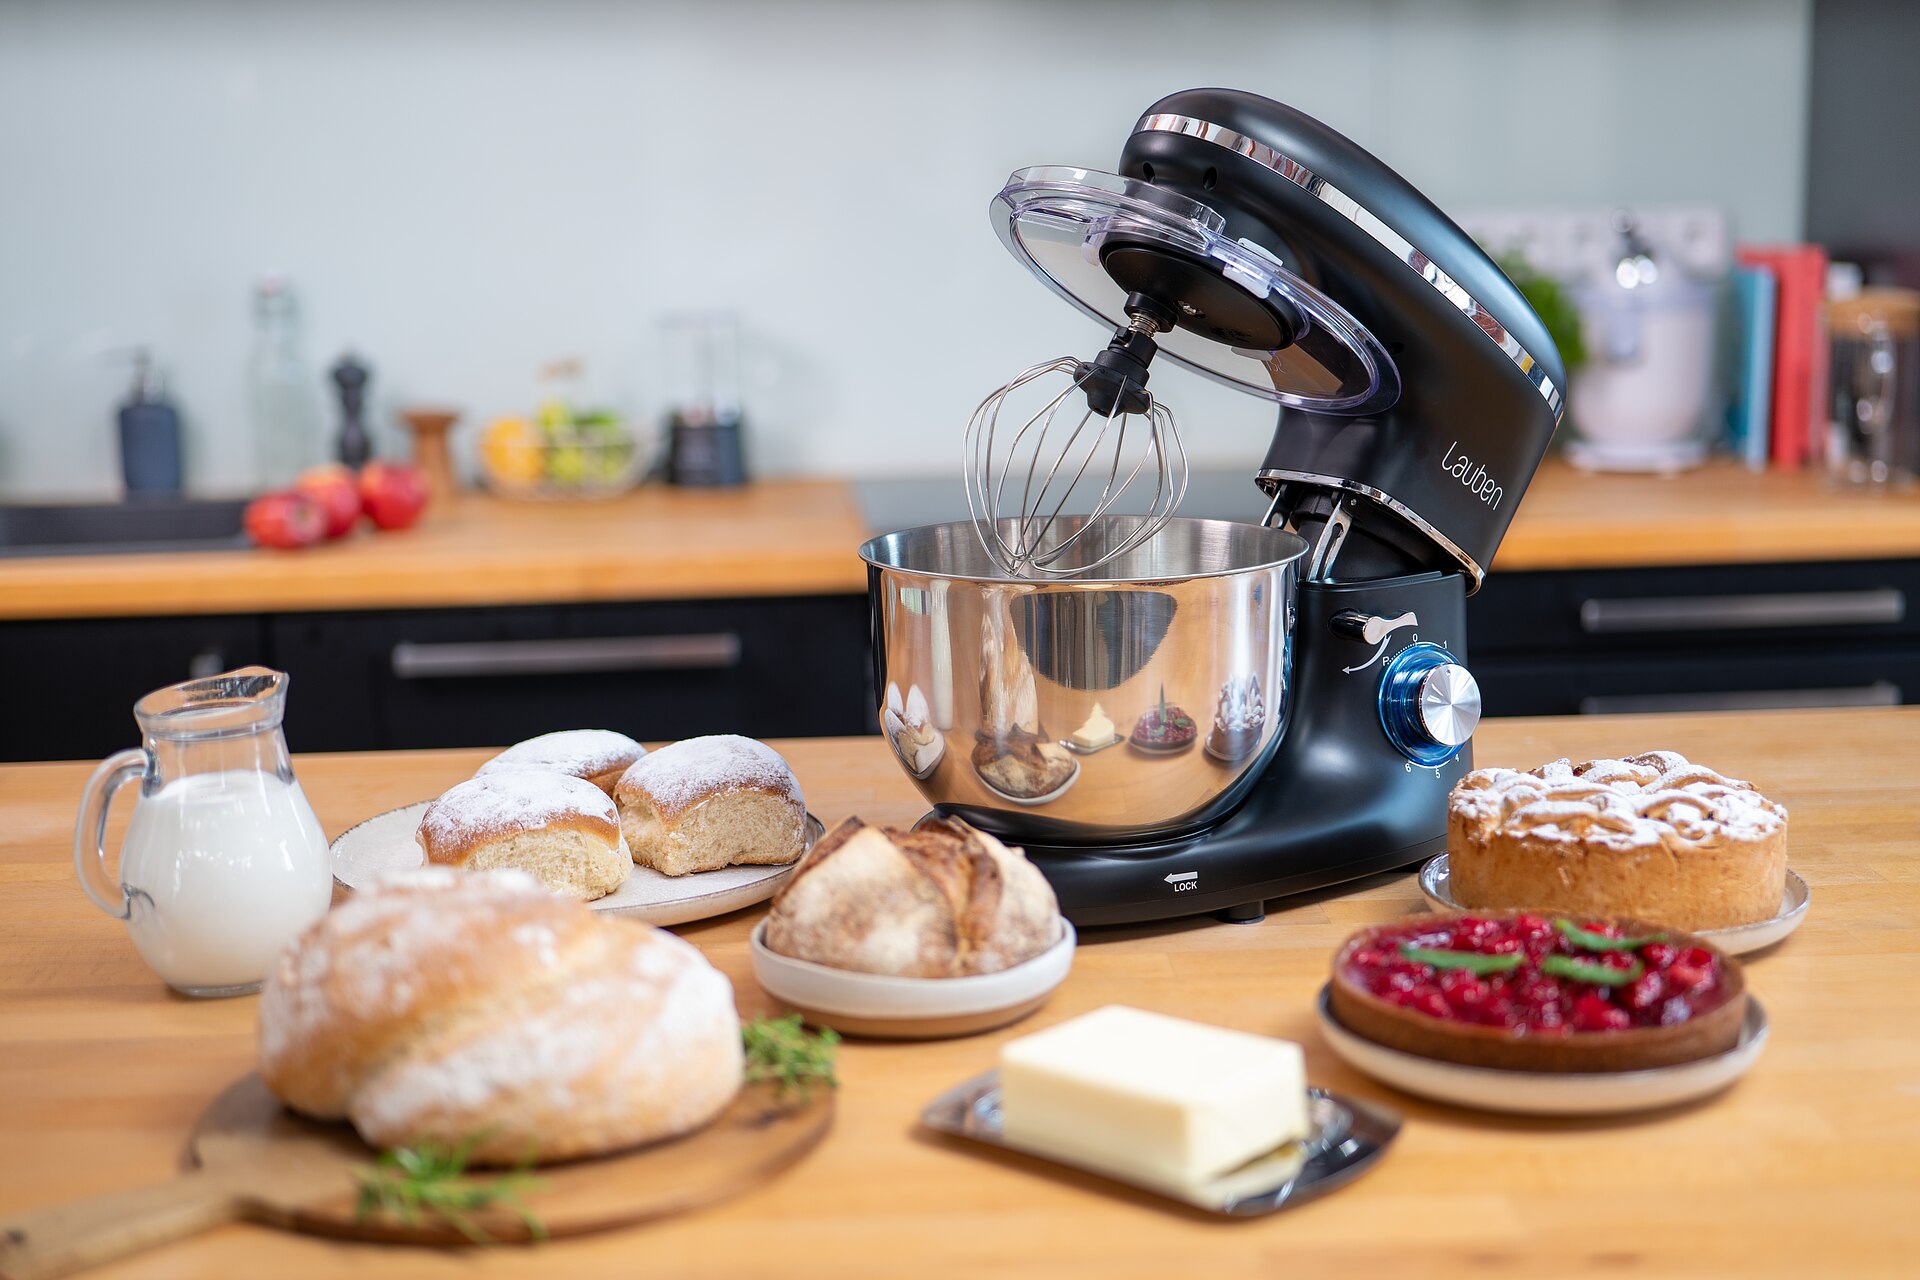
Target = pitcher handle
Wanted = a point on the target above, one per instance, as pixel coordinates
(90, 831)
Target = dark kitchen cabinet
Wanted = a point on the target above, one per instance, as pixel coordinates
(783, 667)
(1708, 638)
(70, 685)
(478, 677)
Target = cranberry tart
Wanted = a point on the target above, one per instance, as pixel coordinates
(1526, 992)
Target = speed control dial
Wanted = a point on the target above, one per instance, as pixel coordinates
(1429, 704)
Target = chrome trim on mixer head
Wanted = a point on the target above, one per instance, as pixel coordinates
(1395, 243)
(1475, 574)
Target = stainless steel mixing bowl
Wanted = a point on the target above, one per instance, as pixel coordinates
(985, 680)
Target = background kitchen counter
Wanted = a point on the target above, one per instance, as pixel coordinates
(787, 538)
(1804, 1168)
(673, 612)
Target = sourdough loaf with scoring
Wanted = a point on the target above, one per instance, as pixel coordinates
(436, 1006)
(1652, 836)
(562, 830)
(942, 901)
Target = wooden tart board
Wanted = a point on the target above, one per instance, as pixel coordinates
(260, 1162)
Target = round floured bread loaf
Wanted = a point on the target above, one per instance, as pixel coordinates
(712, 802)
(944, 901)
(562, 830)
(444, 1007)
(1654, 836)
(598, 755)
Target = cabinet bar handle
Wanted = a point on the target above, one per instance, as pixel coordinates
(715, 651)
(1879, 694)
(1743, 613)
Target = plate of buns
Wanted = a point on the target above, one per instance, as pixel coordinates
(1654, 836)
(690, 830)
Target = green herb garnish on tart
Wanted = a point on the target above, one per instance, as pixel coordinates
(1588, 941)
(1600, 975)
(782, 1052)
(411, 1184)
(1471, 961)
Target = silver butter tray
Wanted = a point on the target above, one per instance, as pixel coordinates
(1348, 1138)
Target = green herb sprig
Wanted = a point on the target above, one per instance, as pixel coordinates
(1588, 941)
(1471, 961)
(413, 1183)
(1599, 975)
(782, 1052)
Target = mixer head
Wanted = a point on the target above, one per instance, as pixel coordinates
(1250, 243)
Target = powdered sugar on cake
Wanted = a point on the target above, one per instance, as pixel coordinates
(584, 753)
(509, 800)
(1641, 800)
(679, 776)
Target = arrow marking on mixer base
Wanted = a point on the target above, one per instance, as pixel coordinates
(1183, 875)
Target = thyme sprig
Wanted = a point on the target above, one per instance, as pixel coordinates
(782, 1052)
(410, 1184)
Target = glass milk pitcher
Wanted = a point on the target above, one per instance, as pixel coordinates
(223, 862)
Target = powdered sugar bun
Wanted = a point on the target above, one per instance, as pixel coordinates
(706, 803)
(598, 755)
(437, 1006)
(563, 830)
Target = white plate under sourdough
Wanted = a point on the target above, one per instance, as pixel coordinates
(1547, 1093)
(884, 1006)
(385, 843)
(1735, 940)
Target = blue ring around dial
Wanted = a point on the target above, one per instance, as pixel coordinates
(1400, 704)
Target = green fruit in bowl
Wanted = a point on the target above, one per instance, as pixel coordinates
(608, 463)
(567, 464)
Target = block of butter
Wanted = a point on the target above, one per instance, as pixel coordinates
(1156, 1099)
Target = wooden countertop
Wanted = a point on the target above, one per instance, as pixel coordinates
(658, 543)
(1721, 513)
(798, 538)
(1806, 1167)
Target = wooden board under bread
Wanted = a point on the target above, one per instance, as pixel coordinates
(258, 1161)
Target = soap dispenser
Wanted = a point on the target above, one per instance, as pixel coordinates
(149, 434)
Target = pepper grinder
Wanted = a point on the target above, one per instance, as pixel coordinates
(354, 446)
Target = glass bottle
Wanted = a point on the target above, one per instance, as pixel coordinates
(284, 417)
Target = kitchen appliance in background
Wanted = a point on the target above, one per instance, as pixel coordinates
(352, 445)
(701, 353)
(282, 399)
(1227, 713)
(1644, 400)
(150, 461)
(1873, 423)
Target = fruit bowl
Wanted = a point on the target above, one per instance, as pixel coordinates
(585, 458)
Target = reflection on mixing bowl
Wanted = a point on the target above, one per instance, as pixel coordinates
(1201, 603)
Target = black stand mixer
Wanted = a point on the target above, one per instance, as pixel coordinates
(1417, 392)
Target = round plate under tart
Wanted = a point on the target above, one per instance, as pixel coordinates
(385, 843)
(887, 1007)
(1544, 1093)
(1736, 940)
(1706, 1034)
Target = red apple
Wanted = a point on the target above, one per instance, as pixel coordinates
(394, 493)
(334, 490)
(286, 520)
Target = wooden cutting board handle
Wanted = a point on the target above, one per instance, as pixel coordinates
(65, 1238)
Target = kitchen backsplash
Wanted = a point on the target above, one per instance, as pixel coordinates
(461, 193)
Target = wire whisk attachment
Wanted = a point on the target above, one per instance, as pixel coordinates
(1096, 432)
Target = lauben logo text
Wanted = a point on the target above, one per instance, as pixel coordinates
(1478, 482)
